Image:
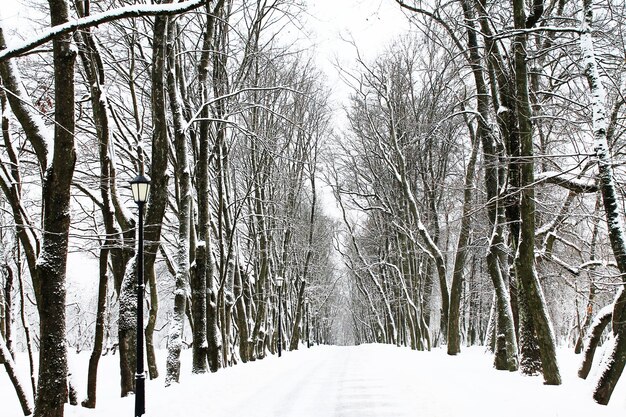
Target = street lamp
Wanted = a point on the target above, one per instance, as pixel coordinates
(279, 285)
(140, 187)
(306, 311)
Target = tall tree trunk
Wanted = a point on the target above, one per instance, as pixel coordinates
(525, 261)
(456, 288)
(504, 316)
(617, 233)
(205, 321)
(184, 217)
(158, 190)
(52, 263)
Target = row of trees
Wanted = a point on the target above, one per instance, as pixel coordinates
(474, 203)
(228, 121)
(480, 156)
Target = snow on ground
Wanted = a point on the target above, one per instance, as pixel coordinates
(332, 381)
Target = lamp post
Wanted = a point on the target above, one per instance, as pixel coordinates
(279, 285)
(308, 333)
(140, 186)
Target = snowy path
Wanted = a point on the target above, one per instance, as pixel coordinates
(346, 383)
(357, 381)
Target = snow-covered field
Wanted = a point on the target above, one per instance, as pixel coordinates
(331, 381)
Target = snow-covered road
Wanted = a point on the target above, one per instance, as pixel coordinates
(339, 382)
(363, 381)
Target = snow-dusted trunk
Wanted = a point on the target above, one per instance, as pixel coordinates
(26, 325)
(158, 198)
(52, 260)
(127, 325)
(6, 309)
(602, 319)
(504, 315)
(615, 225)
(300, 302)
(530, 355)
(261, 168)
(184, 215)
(220, 84)
(92, 377)
(242, 315)
(227, 253)
(198, 275)
(456, 288)
(525, 260)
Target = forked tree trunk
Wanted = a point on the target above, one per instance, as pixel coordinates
(525, 260)
(503, 322)
(456, 288)
(184, 217)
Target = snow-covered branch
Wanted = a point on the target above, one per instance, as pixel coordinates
(135, 10)
(568, 180)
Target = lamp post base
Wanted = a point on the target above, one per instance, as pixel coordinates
(140, 395)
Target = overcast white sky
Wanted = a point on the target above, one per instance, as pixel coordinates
(370, 23)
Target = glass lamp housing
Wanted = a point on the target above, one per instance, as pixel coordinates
(140, 187)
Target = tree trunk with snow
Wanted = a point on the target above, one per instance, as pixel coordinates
(52, 260)
(300, 301)
(602, 319)
(198, 274)
(525, 260)
(6, 309)
(456, 288)
(9, 365)
(504, 315)
(184, 215)
(615, 225)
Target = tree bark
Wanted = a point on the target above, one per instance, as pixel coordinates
(456, 288)
(9, 365)
(52, 263)
(525, 261)
(602, 319)
(184, 217)
(504, 314)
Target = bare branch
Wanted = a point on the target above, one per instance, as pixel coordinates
(137, 10)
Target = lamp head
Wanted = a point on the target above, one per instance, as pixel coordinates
(140, 186)
(279, 281)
